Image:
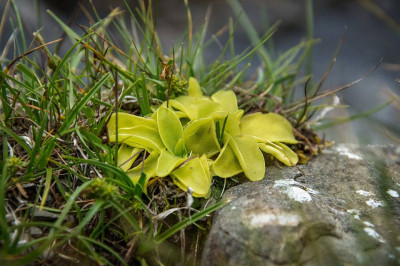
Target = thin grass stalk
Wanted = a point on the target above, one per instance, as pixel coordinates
(309, 35)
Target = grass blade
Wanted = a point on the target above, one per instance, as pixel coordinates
(16, 138)
(115, 170)
(72, 115)
(49, 172)
(251, 32)
(5, 237)
(71, 34)
(190, 220)
(352, 117)
(310, 34)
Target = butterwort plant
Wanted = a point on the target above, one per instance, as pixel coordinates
(193, 138)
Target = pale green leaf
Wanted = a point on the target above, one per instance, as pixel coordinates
(207, 109)
(169, 128)
(189, 105)
(249, 156)
(180, 148)
(194, 89)
(281, 152)
(200, 137)
(167, 162)
(140, 137)
(226, 165)
(148, 167)
(194, 174)
(128, 121)
(269, 127)
(206, 166)
(227, 100)
(126, 156)
(232, 126)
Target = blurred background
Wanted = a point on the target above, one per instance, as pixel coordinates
(372, 32)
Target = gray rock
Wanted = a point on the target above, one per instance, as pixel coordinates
(343, 208)
(35, 231)
(41, 215)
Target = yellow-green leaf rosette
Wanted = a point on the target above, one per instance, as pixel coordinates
(195, 137)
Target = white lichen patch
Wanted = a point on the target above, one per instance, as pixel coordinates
(291, 182)
(309, 190)
(338, 212)
(285, 182)
(374, 203)
(393, 193)
(345, 151)
(365, 193)
(298, 194)
(355, 212)
(295, 190)
(372, 233)
(269, 218)
(368, 224)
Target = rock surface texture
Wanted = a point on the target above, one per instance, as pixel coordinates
(343, 208)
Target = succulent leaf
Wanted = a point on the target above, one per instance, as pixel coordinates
(148, 167)
(226, 164)
(167, 162)
(200, 137)
(140, 137)
(169, 128)
(249, 156)
(267, 127)
(281, 152)
(194, 174)
(127, 156)
(227, 100)
(194, 89)
(128, 121)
